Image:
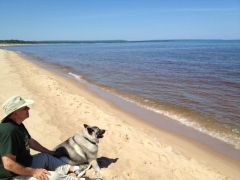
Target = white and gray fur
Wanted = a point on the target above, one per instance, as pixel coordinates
(82, 147)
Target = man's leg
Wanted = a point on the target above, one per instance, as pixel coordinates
(49, 162)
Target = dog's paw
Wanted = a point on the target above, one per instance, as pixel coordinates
(80, 172)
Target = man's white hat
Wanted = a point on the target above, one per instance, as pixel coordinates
(14, 103)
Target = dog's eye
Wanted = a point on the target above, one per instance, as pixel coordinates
(90, 130)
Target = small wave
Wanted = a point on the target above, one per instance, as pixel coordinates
(78, 77)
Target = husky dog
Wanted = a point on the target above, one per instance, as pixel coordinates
(81, 148)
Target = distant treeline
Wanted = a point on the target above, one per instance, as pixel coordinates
(54, 42)
(15, 42)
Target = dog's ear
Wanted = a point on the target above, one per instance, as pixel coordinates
(85, 125)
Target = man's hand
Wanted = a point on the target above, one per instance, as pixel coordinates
(41, 174)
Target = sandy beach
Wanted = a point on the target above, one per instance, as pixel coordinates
(131, 149)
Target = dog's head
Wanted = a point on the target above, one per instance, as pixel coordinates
(93, 133)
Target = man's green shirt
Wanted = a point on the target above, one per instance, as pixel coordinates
(14, 139)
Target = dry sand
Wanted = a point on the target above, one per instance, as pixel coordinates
(130, 148)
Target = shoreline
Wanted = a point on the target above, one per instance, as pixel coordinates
(178, 157)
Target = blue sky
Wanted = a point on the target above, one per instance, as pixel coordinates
(119, 19)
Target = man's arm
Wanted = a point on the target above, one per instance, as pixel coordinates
(38, 147)
(10, 164)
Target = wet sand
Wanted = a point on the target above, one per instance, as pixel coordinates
(131, 149)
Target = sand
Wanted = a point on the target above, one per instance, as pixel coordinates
(130, 149)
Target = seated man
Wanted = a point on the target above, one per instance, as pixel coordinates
(16, 162)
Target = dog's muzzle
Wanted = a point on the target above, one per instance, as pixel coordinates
(100, 133)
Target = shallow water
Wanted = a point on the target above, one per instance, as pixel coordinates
(194, 82)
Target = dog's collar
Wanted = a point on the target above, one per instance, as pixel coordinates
(90, 141)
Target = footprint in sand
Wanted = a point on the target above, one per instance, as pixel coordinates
(163, 158)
